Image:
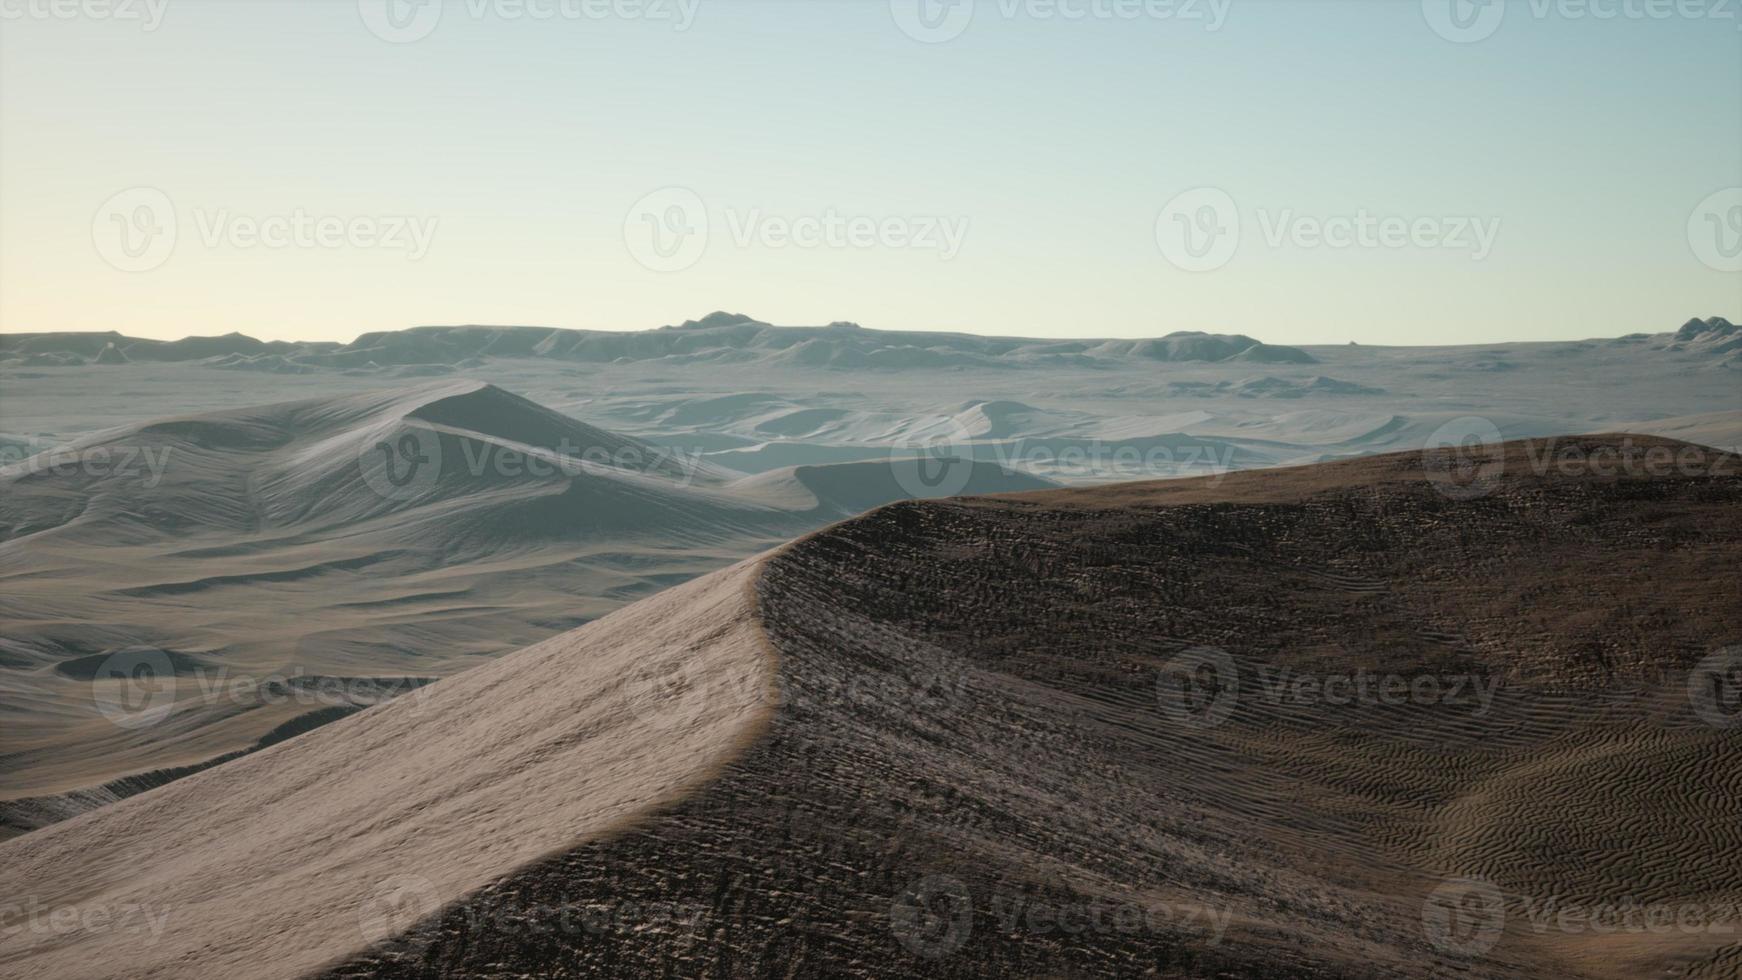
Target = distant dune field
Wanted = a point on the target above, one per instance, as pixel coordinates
(269, 557)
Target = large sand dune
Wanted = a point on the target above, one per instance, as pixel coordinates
(297, 560)
(977, 732)
(984, 756)
(271, 865)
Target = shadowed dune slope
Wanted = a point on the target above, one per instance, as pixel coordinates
(286, 859)
(996, 753)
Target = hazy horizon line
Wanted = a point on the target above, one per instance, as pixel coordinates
(812, 326)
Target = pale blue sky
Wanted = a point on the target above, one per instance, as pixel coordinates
(1585, 147)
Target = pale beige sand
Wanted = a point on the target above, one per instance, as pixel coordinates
(1720, 429)
(309, 851)
(261, 553)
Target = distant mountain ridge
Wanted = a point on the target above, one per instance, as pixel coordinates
(720, 337)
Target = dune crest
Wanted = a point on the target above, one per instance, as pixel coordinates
(975, 773)
(308, 852)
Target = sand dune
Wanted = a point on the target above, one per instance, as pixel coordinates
(276, 863)
(272, 547)
(963, 748)
(1720, 429)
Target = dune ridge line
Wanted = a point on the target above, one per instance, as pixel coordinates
(383, 818)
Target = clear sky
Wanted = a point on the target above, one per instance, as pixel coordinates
(319, 168)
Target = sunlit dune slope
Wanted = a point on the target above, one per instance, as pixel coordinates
(279, 862)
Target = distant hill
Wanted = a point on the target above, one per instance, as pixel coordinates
(722, 337)
(731, 338)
